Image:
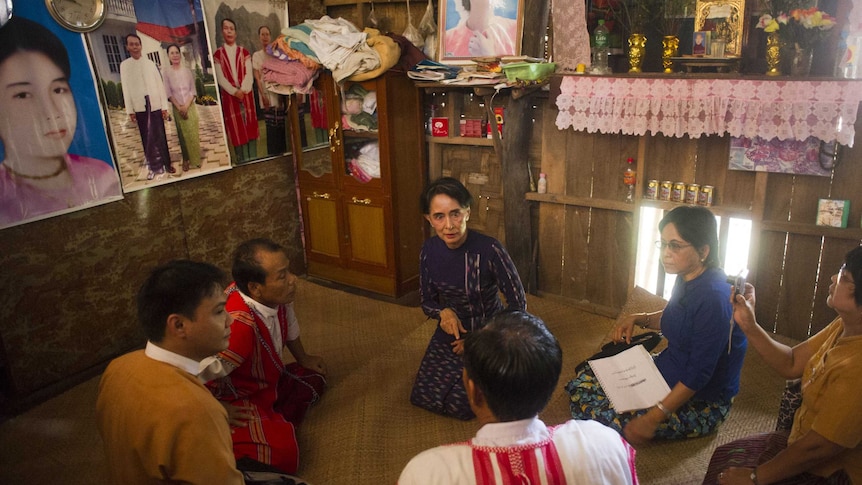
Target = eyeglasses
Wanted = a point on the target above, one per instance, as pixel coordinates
(847, 279)
(674, 246)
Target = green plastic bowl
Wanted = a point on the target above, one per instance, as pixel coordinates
(529, 71)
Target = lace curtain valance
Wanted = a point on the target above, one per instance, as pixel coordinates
(786, 109)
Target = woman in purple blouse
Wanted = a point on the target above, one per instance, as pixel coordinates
(462, 273)
(180, 89)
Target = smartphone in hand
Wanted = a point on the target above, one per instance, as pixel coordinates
(738, 282)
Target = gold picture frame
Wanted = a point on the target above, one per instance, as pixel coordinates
(726, 20)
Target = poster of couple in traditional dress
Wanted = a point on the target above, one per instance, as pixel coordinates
(155, 69)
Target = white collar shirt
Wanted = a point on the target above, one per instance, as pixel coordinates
(155, 352)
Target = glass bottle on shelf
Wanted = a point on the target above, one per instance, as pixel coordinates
(630, 179)
(430, 114)
(542, 184)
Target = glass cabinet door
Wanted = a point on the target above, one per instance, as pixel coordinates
(313, 133)
(359, 129)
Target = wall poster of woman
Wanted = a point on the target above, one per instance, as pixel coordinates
(480, 28)
(54, 155)
(156, 74)
(255, 119)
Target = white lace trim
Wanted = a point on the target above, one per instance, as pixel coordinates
(786, 109)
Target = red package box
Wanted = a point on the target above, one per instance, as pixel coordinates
(498, 114)
(471, 128)
(439, 126)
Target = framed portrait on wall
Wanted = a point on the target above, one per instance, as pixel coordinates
(255, 116)
(480, 28)
(155, 70)
(54, 152)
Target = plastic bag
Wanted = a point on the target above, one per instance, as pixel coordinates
(371, 20)
(411, 33)
(428, 29)
(428, 25)
(430, 49)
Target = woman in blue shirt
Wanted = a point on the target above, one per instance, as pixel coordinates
(704, 352)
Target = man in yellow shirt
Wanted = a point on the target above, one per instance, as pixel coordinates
(157, 420)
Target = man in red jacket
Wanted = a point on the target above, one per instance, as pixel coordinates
(265, 397)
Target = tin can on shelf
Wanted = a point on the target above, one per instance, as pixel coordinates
(691, 193)
(665, 189)
(704, 198)
(678, 192)
(652, 189)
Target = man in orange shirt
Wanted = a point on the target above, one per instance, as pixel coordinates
(157, 420)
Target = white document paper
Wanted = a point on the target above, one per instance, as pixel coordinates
(630, 379)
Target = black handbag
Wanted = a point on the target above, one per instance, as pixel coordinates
(648, 339)
(791, 399)
(258, 473)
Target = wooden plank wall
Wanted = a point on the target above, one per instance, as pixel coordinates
(795, 264)
(478, 168)
(391, 16)
(584, 252)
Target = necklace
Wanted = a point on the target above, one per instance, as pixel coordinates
(60, 169)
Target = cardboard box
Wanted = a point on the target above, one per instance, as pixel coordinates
(833, 213)
(498, 114)
(470, 128)
(439, 126)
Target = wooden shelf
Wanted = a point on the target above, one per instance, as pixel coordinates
(460, 140)
(716, 209)
(614, 205)
(626, 207)
(367, 135)
(812, 229)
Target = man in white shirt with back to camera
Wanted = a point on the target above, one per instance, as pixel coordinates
(511, 368)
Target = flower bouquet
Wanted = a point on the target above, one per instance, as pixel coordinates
(805, 27)
(799, 29)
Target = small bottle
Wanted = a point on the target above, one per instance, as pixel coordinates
(630, 179)
(432, 113)
(601, 49)
(542, 184)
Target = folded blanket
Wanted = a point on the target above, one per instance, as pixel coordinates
(386, 48)
(288, 73)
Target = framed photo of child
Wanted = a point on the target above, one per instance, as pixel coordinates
(700, 43)
(480, 28)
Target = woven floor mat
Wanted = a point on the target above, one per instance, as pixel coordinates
(365, 430)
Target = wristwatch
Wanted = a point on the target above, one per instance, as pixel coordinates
(753, 476)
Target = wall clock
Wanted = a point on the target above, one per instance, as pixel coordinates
(78, 15)
(5, 11)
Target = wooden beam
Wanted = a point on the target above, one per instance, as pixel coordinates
(535, 26)
(513, 155)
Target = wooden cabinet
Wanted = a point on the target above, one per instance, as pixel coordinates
(360, 169)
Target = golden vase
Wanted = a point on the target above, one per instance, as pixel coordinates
(637, 49)
(773, 54)
(670, 48)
